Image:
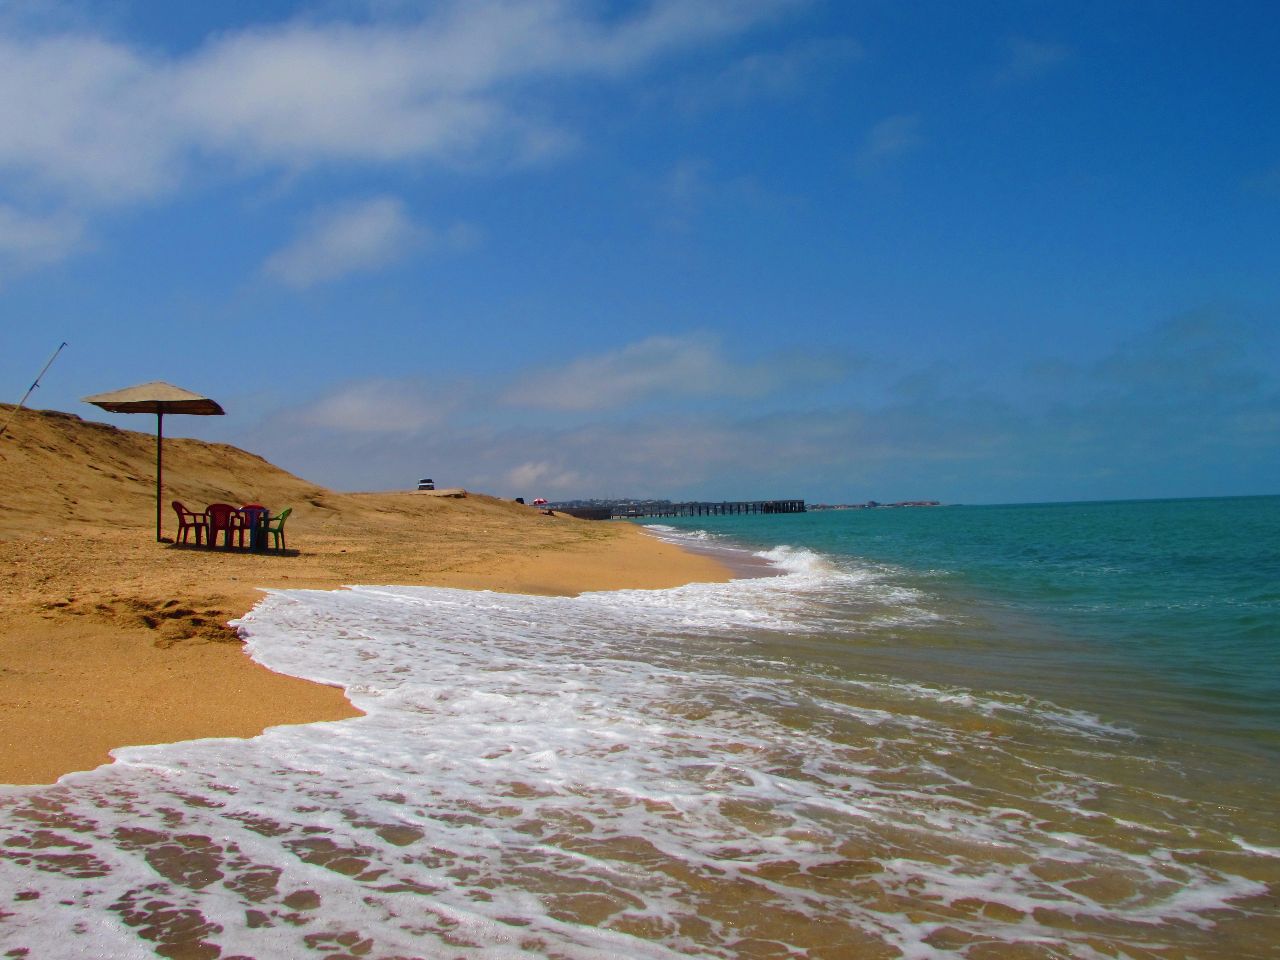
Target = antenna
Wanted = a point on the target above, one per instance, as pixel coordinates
(34, 383)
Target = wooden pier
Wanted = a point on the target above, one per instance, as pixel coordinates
(709, 509)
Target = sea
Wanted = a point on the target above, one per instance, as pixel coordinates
(1028, 731)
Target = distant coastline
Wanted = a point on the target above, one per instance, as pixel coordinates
(605, 508)
(875, 505)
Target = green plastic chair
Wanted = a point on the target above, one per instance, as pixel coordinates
(275, 527)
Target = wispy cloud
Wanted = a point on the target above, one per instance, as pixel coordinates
(375, 407)
(28, 241)
(888, 140)
(1031, 59)
(543, 476)
(1180, 400)
(682, 193)
(1266, 183)
(769, 74)
(693, 189)
(357, 238)
(655, 368)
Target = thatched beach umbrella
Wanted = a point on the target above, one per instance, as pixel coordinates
(159, 398)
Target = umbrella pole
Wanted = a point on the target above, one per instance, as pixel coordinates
(159, 467)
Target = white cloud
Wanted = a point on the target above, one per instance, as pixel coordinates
(308, 93)
(377, 406)
(88, 121)
(86, 118)
(97, 119)
(353, 238)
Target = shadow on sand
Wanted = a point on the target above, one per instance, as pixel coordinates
(230, 551)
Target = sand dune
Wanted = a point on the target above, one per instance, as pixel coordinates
(108, 638)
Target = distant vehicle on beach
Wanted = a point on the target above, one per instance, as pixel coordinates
(427, 484)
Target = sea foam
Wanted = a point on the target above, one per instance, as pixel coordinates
(637, 774)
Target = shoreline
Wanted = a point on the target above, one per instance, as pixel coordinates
(743, 561)
(108, 640)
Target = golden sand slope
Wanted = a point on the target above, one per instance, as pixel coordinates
(108, 638)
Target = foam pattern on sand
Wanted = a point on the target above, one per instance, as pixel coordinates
(635, 774)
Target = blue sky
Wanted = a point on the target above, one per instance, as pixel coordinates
(977, 252)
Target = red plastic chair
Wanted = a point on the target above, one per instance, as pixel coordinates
(224, 517)
(189, 520)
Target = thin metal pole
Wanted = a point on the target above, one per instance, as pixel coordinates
(34, 383)
(159, 466)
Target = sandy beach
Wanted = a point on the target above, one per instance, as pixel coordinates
(109, 639)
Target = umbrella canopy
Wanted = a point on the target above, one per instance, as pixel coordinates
(159, 398)
(156, 397)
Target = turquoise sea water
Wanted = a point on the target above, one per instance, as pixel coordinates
(1162, 615)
